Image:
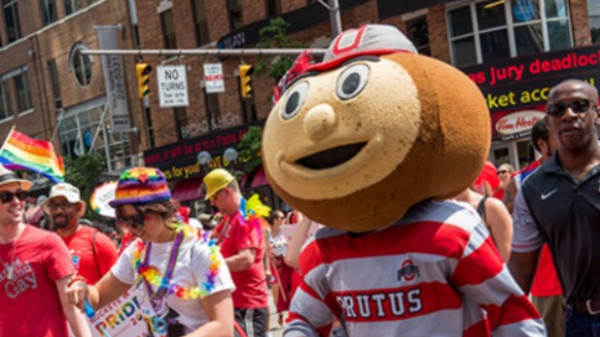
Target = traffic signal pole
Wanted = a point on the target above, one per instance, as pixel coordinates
(215, 52)
(334, 16)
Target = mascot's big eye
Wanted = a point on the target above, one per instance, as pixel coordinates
(352, 81)
(295, 100)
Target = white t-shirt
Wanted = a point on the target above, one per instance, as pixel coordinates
(190, 271)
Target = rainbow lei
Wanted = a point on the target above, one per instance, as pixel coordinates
(154, 277)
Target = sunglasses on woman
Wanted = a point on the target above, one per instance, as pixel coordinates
(7, 196)
(579, 106)
(132, 221)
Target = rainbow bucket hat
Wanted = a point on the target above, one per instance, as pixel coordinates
(141, 185)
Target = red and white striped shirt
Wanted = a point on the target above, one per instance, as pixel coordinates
(430, 274)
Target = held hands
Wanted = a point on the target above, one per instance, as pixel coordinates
(77, 291)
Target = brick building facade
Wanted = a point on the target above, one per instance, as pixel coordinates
(42, 75)
(44, 78)
(500, 30)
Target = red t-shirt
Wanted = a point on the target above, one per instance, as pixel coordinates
(88, 264)
(234, 234)
(545, 281)
(29, 302)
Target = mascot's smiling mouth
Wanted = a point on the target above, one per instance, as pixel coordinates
(332, 157)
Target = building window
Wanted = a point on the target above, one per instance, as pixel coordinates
(234, 7)
(84, 129)
(48, 11)
(212, 105)
(11, 20)
(273, 8)
(168, 29)
(418, 34)
(200, 22)
(594, 14)
(72, 6)
(24, 102)
(80, 65)
(490, 30)
(5, 105)
(181, 122)
(55, 84)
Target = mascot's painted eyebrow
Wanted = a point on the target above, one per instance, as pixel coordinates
(348, 62)
(301, 77)
(370, 58)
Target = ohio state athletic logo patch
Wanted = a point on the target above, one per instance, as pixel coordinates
(408, 271)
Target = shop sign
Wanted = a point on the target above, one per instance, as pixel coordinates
(560, 64)
(526, 81)
(180, 160)
(113, 71)
(517, 124)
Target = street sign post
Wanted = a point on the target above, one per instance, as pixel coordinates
(172, 86)
(213, 78)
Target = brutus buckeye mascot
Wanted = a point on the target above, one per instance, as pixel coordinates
(369, 142)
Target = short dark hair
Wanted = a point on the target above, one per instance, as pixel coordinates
(539, 131)
(275, 214)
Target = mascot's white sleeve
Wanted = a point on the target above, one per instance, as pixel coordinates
(485, 280)
(310, 312)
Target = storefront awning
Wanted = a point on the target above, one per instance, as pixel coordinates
(188, 189)
(258, 179)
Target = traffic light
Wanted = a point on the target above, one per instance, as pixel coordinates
(141, 71)
(246, 71)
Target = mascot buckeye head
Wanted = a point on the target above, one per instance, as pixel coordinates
(356, 140)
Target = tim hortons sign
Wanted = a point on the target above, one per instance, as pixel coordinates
(518, 124)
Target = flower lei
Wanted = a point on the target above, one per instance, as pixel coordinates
(154, 277)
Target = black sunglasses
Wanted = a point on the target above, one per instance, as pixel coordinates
(6, 196)
(132, 221)
(578, 106)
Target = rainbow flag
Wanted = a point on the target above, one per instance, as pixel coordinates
(23, 152)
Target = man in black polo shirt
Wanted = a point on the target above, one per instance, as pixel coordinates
(560, 204)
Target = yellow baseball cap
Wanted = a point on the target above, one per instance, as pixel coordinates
(215, 181)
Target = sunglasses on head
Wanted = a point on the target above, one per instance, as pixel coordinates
(578, 106)
(132, 221)
(7, 196)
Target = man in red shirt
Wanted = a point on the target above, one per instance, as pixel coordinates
(242, 245)
(34, 272)
(92, 252)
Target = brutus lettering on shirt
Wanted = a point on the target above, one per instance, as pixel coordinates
(381, 305)
(23, 278)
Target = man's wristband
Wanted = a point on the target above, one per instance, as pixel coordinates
(75, 279)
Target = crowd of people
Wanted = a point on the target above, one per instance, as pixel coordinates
(205, 281)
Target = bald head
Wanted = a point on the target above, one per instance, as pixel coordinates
(572, 115)
(567, 87)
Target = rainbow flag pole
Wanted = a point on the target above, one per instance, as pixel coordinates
(20, 151)
(7, 137)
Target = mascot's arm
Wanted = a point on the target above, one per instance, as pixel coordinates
(483, 278)
(310, 315)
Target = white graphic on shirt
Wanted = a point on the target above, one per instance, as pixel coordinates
(545, 196)
(17, 277)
